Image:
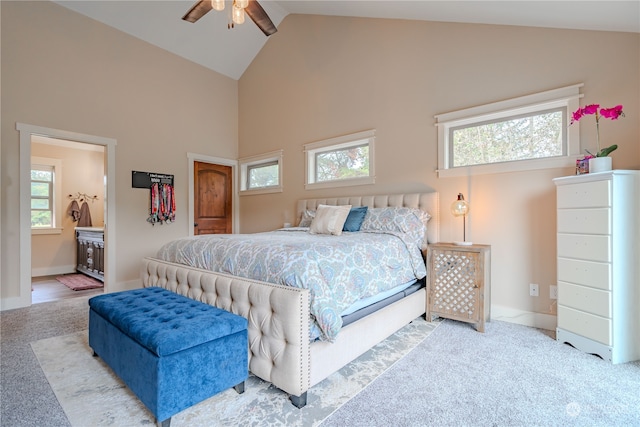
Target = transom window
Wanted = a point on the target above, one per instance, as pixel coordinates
(525, 133)
(45, 195)
(342, 161)
(532, 136)
(261, 174)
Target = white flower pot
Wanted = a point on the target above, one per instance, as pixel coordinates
(600, 164)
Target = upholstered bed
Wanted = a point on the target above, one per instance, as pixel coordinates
(279, 325)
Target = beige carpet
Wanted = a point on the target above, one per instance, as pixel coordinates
(91, 395)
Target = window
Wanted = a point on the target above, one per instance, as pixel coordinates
(525, 133)
(261, 174)
(41, 196)
(342, 161)
(45, 196)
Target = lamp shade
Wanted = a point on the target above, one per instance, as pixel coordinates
(217, 4)
(460, 207)
(237, 15)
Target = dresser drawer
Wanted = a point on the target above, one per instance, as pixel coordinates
(585, 221)
(588, 325)
(584, 195)
(594, 301)
(588, 273)
(581, 246)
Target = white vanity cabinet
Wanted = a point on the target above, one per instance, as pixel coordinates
(598, 250)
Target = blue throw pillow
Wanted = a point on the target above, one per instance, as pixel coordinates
(354, 219)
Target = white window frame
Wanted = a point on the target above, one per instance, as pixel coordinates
(56, 165)
(363, 138)
(566, 97)
(260, 160)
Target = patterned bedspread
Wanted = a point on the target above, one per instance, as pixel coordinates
(338, 270)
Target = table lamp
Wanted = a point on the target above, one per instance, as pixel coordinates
(461, 208)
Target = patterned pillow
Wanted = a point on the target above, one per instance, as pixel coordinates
(404, 220)
(307, 217)
(424, 217)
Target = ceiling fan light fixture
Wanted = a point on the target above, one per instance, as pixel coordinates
(237, 15)
(217, 5)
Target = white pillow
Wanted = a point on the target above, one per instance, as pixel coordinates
(329, 219)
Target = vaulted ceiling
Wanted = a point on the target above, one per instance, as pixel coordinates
(209, 43)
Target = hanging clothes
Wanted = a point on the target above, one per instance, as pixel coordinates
(74, 211)
(85, 216)
(163, 204)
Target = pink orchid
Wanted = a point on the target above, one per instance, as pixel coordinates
(612, 113)
(591, 109)
(577, 115)
(608, 113)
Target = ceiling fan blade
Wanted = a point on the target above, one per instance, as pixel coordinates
(260, 17)
(198, 10)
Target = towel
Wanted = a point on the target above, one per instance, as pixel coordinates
(85, 216)
(74, 211)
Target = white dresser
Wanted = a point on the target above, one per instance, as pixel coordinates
(598, 249)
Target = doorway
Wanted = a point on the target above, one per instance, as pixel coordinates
(26, 132)
(213, 198)
(69, 193)
(232, 189)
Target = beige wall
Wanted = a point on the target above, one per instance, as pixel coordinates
(321, 77)
(61, 70)
(82, 172)
(318, 77)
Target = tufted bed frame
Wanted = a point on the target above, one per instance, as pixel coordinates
(279, 347)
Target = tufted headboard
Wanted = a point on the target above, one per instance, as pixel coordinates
(428, 202)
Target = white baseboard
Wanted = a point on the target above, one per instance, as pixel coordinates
(12, 303)
(125, 286)
(53, 271)
(521, 317)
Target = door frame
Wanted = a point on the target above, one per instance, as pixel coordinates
(194, 157)
(26, 131)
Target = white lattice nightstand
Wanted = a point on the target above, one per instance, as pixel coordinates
(459, 283)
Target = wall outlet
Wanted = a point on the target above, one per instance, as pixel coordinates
(553, 292)
(534, 290)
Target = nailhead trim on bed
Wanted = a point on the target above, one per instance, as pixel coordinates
(278, 317)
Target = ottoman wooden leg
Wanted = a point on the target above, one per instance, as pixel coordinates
(165, 423)
(239, 388)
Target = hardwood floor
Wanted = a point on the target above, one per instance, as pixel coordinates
(47, 288)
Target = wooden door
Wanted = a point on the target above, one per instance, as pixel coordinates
(213, 199)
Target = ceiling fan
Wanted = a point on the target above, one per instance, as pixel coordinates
(239, 7)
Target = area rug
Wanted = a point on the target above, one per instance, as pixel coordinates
(90, 394)
(79, 282)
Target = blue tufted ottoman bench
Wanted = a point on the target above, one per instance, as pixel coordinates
(171, 351)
